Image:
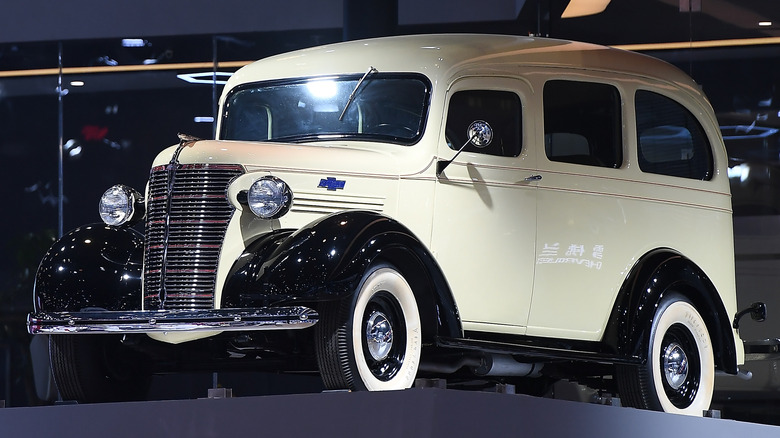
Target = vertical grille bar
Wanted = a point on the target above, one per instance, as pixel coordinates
(184, 236)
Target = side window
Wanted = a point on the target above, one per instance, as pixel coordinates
(582, 123)
(500, 109)
(670, 139)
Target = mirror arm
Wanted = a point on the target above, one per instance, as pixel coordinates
(480, 135)
(442, 164)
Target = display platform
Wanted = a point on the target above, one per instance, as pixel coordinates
(423, 412)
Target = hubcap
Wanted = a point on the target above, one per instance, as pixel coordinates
(675, 365)
(379, 335)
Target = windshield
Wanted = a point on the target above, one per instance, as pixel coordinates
(385, 107)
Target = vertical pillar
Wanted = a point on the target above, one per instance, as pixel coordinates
(690, 5)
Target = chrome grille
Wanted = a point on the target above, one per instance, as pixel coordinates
(184, 234)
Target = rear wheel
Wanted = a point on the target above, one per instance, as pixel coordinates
(372, 342)
(679, 374)
(97, 368)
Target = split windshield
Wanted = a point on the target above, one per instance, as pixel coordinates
(384, 107)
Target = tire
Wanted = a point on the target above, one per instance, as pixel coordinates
(373, 341)
(679, 338)
(97, 368)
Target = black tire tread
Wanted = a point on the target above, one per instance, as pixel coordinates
(81, 373)
(331, 334)
(67, 375)
(633, 386)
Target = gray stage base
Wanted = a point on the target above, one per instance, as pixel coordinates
(418, 412)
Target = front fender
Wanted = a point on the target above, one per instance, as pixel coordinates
(94, 266)
(326, 259)
(323, 260)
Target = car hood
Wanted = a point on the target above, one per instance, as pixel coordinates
(319, 157)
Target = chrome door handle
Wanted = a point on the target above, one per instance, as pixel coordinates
(534, 178)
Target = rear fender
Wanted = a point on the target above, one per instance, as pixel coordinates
(663, 270)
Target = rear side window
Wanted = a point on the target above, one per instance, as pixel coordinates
(499, 109)
(582, 123)
(670, 139)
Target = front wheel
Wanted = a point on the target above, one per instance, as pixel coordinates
(679, 373)
(97, 368)
(373, 341)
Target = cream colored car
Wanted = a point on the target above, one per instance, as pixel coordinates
(460, 206)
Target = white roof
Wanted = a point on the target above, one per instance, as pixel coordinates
(439, 55)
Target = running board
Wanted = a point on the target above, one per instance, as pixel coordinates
(533, 350)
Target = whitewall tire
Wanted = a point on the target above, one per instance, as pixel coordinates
(374, 341)
(679, 374)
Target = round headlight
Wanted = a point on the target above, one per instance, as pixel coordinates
(269, 198)
(118, 205)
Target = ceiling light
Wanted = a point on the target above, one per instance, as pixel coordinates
(76, 83)
(72, 147)
(133, 42)
(206, 77)
(764, 23)
(580, 8)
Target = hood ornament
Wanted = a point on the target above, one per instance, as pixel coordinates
(186, 138)
(184, 141)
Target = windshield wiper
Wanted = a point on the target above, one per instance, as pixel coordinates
(354, 92)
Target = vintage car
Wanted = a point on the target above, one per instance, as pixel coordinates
(483, 207)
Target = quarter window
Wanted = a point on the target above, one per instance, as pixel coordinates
(500, 109)
(582, 123)
(670, 139)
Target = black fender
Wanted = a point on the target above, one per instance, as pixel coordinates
(628, 331)
(325, 260)
(94, 266)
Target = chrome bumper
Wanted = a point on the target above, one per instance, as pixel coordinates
(104, 321)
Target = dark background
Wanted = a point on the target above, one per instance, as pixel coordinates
(132, 104)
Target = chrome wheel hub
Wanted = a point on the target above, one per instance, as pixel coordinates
(675, 365)
(379, 335)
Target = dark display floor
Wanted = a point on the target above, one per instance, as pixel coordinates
(424, 412)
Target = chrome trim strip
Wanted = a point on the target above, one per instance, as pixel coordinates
(104, 321)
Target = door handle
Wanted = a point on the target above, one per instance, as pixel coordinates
(534, 178)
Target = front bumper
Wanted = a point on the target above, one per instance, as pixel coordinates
(104, 321)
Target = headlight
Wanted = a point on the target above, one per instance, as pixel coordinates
(269, 198)
(120, 204)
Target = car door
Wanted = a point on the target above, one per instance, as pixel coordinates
(583, 209)
(484, 206)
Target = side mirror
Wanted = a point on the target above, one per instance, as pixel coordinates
(479, 133)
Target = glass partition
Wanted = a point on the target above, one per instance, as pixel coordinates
(78, 116)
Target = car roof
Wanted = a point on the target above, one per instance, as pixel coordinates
(439, 56)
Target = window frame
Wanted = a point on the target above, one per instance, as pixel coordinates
(491, 149)
(705, 144)
(614, 134)
(225, 115)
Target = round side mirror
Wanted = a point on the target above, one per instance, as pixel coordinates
(480, 133)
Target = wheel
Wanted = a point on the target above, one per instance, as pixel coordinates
(96, 368)
(679, 373)
(373, 341)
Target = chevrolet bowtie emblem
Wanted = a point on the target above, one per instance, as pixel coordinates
(331, 183)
